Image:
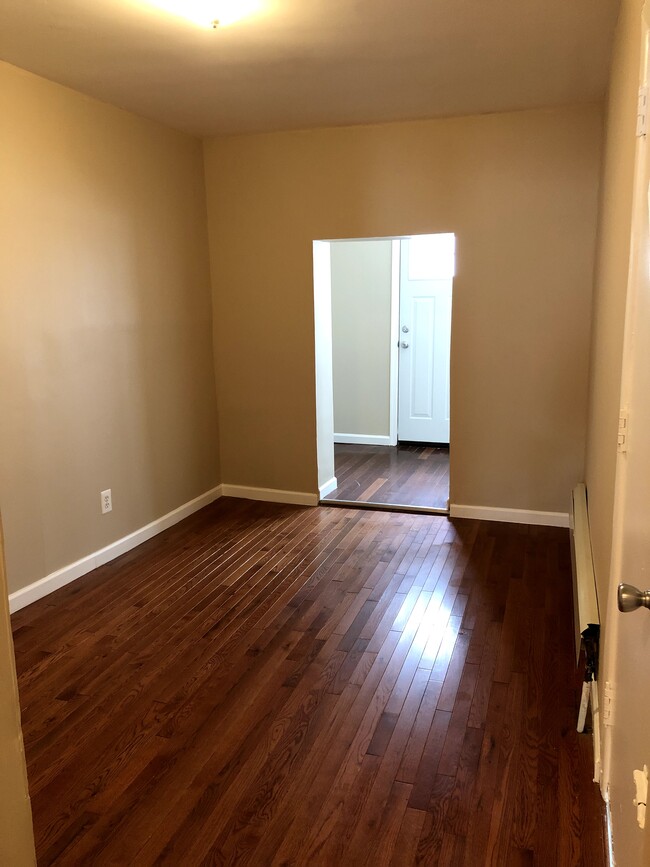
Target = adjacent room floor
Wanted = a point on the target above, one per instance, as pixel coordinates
(272, 685)
(402, 475)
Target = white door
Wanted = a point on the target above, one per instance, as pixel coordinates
(16, 834)
(424, 342)
(627, 637)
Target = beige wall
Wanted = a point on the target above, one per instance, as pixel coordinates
(16, 835)
(106, 369)
(520, 192)
(612, 262)
(361, 308)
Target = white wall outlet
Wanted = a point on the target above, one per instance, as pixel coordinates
(107, 501)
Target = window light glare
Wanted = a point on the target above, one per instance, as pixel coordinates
(432, 257)
(209, 13)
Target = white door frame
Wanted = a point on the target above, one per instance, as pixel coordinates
(394, 338)
(322, 296)
(324, 380)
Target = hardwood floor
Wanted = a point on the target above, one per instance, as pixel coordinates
(271, 685)
(402, 475)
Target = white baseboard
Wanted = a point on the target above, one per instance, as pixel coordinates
(328, 487)
(270, 495)
(25, 596)
(510, 516)
(363, 439)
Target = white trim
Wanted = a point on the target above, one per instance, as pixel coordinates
(595, 722)
(270, 495)
(384, 237)
(510, 516)
(584, 579)
(608, 826)
(322, 262)
(393, 377)
(44, 586)
(328, 487)
(364, 439)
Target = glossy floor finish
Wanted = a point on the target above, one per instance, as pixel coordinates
(271, 685)
(402, 475)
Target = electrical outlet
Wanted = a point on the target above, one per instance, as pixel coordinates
(107, 501)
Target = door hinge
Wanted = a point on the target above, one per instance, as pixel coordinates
(607, 709)
(623, 424)
(642, 112)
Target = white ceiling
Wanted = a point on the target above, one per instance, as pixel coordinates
(306, 63)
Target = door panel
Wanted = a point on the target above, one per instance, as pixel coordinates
(627, 650)
(425, 342)
(422, 316)
(16, 834)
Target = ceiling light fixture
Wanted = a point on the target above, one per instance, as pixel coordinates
(210, 13)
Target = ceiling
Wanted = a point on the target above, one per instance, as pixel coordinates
(307, 63)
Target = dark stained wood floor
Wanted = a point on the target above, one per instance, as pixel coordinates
(402, 475)
(271, 685)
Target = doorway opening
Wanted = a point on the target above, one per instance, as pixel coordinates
(383, 334)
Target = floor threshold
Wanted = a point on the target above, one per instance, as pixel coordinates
(384, 507)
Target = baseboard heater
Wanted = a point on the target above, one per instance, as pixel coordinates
(586, 615)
